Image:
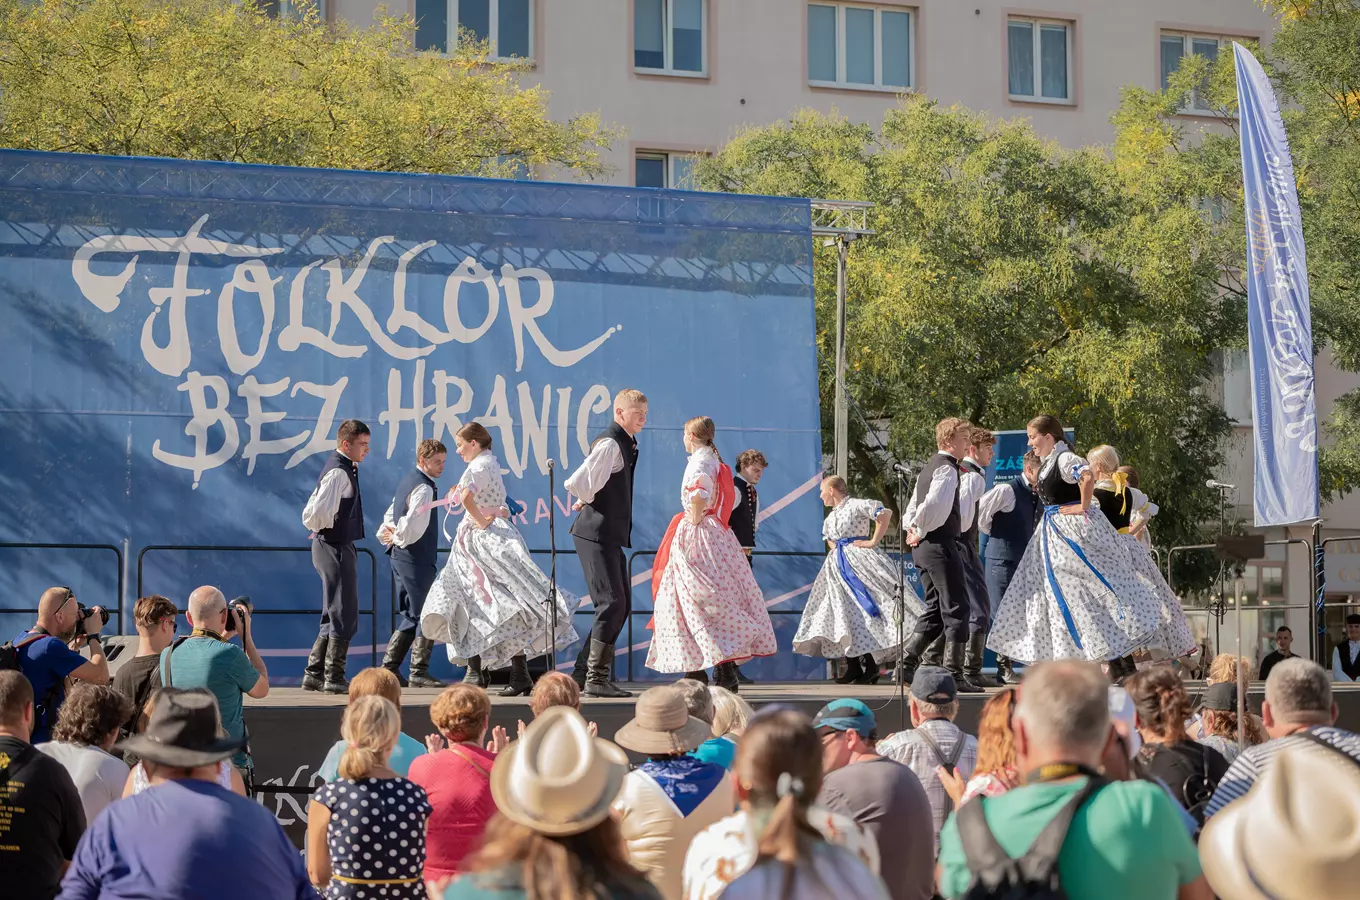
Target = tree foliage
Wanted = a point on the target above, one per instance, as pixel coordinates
(220, 80)
(1010, 277)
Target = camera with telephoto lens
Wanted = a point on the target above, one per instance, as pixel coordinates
(232, 623)
(85, 613)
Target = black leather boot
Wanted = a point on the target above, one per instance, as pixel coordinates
(953, 661)
(314, 676)
(337, 654)
(934, 654)
(520, 682)
(972, 661)
(421, 651)
(1005, 671)
(870, 668)
(725, 674)
(474, 674)
(397, 645)
(910, 659)
(599, 669)
(853, 670)
(700, 675)
(578, 671)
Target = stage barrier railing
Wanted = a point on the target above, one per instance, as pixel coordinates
(371, 612)
(115, 611)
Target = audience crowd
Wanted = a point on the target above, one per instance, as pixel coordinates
(141, 788)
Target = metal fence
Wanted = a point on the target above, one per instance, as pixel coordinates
(115, 612)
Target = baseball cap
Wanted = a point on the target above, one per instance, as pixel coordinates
(932, 684)
(1221, 696)
(846, 715)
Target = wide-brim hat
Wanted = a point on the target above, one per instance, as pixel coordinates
(558, 779)
(1281, 841)
(662, 726)
(183, 732)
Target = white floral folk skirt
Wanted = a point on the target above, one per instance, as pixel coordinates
(835, 624)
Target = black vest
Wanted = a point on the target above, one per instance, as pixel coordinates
(743, 518)
(423, 551)
(950, 528)
(970, 537)
(1352, 669)
(608, 519)
(1011, 531)
(349, 519)
(1055, 491)
(1118, 508)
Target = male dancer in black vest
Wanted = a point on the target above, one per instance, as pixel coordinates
(335, 514)
(1008, 514)
(751, 464)
(603, 527)
(411, 535)
(972, 485)
(933, 532)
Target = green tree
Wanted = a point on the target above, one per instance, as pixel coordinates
(220, 80)
(1010, 277)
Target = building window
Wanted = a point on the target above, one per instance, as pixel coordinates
(670, 36)
(507, 25)
(291, 9)
(1176, 47)
(859, 46)
(665, 170)
(1237, 386)
(1039, 60)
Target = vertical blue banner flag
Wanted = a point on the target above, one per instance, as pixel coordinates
(1280, 330)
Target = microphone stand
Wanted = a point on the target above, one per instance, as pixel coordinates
(552, 567)
(1220, 608)
(900, 595)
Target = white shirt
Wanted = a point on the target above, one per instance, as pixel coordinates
(322, 506)
(604, 459)
(98, 776)
(971, 486)
(934, 509)
(411, 526)
(1352, 648)
(1000, 499)
(1069, 464)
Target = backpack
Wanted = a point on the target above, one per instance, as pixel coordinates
(947, 763)
(1033, 875)
(9, 659)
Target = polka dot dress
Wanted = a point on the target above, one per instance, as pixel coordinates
(376, 834)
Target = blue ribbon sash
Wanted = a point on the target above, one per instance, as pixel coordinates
(857, 588)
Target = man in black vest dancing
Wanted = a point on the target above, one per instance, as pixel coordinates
(751, 464)
(972, 486)
(603, 527)
(1008, 515)
(335, 514)
(410, 530)
(933, 532)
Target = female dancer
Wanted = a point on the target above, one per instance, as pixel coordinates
(852, 610)
(709, 609)
(1120, 501)
(488, 602)
(1075, 592)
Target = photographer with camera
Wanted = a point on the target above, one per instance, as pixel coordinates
(49, 653)
(206, 659)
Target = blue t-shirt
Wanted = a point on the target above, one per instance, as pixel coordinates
(407, 749)
(45, 662)
(720, 750)
(186, 839)
(221, 667)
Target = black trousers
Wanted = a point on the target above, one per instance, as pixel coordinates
(413, 584)
(941, 566)
(975, 585)
(606, 573)
(999, 575)
(336, 564)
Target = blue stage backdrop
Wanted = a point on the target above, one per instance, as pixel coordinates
(183, 338)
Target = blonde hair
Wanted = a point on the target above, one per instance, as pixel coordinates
(370, 728)
(629, 397)
(1104, 459)
(1223, 669)
(945, 431)
(731, 714)
(837, 484)
(554, 689)
(702, 429)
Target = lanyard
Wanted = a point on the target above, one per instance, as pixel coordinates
(1059, 771)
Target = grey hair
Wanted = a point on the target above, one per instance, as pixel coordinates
(697, 699)
(205, 603)
(937, 710)
(1299, 690)
(731, 714)
(1065, 703)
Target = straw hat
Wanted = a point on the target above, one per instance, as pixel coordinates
(557, 779)
(662, 725)
(1294, 836)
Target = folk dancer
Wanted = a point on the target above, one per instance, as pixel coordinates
(972, 485)
(603, 486)
(709, 611)
(1008, 515)
(744, 520)
(852, 610)
(335, 515)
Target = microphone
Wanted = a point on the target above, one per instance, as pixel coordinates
(902, 469)
(551, 463)
(1219, 485)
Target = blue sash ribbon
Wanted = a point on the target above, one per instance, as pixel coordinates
(857, 588)
(1049, 527)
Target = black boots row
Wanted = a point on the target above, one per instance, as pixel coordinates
(326, 666)
(859, 670)
(594, 669)
(962, 659)
(421, 649)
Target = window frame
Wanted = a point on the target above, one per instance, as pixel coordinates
(841, 83)
(1188, 37)
(668, 42)
(669, 157)
(288, 10)
(1070, 27)
(494, 31)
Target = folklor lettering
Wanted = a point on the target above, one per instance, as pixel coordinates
(426, 394)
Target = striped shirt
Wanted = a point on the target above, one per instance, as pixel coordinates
(1242, 774)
